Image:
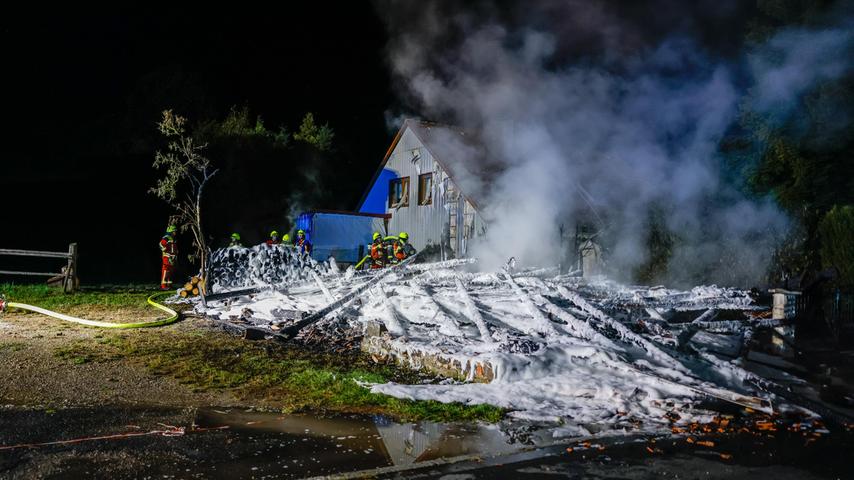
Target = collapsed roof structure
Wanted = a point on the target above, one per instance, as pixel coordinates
(587, 356)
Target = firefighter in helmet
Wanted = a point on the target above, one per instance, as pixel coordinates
(401, 249)
(235, 240)
(302, 243)
(168, 253)
(378, 252)
(274, 238)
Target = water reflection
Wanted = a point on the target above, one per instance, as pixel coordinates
(347, 443)
(408, 443)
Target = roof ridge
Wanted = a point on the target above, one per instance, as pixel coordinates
(432, 123)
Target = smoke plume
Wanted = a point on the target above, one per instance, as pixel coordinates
(608, 116)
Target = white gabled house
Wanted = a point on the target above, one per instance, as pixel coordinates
(430, 182)
(433, 184)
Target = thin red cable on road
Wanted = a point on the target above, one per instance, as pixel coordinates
(170, 432)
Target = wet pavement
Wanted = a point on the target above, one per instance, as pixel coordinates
(234, 444)
(213, 443)
(736, 444)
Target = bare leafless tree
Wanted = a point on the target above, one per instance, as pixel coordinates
(186, 172)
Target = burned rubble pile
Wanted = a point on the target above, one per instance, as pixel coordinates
(261, 265)
(591, 355)
(277, 288)
(335, 335)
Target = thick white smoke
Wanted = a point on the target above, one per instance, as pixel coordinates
(611, 137)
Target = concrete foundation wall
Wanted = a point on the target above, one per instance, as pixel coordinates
(383, 349)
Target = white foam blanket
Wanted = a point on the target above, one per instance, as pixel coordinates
(558, 352)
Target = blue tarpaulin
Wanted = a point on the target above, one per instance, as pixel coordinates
(340, 235)
(377, 198)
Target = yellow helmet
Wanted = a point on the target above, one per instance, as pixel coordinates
(286, 238)
(235, 236)
(274, 233)
(300, 232)
(171, 229)
(377, 235)
(403, 236)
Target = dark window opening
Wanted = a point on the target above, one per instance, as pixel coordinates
(398, 192)
(425, 189)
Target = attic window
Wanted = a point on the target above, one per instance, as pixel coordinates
(425, 189)
(398, 192)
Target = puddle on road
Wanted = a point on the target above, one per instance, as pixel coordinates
(310, 445)
(236, 444)
(89, 443)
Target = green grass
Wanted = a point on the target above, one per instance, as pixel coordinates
(290, 377)
(54, 299)
(287, 376)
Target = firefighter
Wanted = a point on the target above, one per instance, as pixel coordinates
(401, 249)
(168, 252)
(302, 243)
(235, 240)
(274, 238)
(378, 252)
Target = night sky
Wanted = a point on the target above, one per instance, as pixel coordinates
(83, 91)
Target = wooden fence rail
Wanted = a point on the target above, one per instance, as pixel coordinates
(68, 275)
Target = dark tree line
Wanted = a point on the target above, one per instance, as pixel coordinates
(805, 159)
(265, 176)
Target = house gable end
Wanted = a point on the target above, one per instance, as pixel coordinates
(414, 126)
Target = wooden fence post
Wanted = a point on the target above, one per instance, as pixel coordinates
(67, 278)
(71, 282)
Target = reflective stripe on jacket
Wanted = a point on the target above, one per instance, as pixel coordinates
(167, 246)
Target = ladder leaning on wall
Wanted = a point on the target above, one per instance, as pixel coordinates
(451, 200)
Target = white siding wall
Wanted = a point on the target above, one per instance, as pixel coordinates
(424, 223)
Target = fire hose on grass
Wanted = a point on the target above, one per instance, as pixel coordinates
(173, 315)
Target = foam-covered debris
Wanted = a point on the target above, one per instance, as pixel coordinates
(556, 345)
